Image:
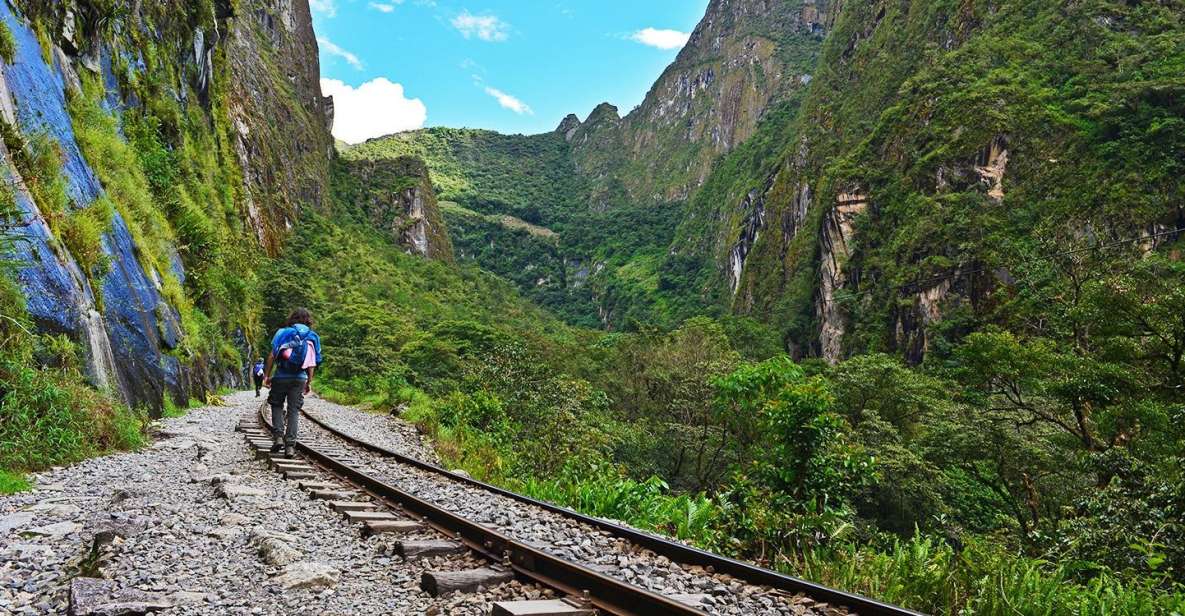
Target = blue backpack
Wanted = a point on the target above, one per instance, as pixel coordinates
(292, 348)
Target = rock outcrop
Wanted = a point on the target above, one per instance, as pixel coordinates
(281, 121)
(396, 195)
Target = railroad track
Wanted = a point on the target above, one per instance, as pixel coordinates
(600, 567)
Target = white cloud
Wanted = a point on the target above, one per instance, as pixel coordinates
(485, 27)
(662, 39)
(385, 7)
(332, 49)
(327, 8)
(373, 109)
(509, 102)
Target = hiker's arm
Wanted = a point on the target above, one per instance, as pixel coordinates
(308, 385)
(267, 369)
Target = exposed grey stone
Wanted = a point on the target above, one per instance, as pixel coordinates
(106, 529)
(306, 574)
(233, 491)
(226, 532)
(57, 510)
(233, 519)
(277, 553)
(59, 529)
(96, 597)
(16, 520)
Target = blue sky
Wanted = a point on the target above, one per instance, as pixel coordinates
(515, 66)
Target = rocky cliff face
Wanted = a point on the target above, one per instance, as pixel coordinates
(281, 121)
(742, 58)
(396, 195)
(130, 212)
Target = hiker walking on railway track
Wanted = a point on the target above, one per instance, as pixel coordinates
(257, 375)
(296, 353)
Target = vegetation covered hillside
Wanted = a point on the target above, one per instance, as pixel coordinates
(517, 206)
(902, 484)
(613, 188)
(941, 156)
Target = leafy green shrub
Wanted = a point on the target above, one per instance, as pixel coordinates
(52, 417)
(49, 415)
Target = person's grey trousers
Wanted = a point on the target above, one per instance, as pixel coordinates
(285, 426)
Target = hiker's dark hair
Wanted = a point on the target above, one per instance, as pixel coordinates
(300, 315)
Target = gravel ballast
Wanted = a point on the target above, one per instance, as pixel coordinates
(553, 532)
(180, 525)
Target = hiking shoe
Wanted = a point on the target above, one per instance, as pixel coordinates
(277, 446)
(289, 452)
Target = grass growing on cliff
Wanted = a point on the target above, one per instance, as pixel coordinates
(38, 159)
(82, 233)
(49, 415)
(175, 194)
(7, 43)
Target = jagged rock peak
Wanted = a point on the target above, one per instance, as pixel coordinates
(570, 122)
(568, 127)
(602, 113)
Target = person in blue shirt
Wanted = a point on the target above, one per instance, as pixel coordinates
(257, 375)
(296, 353)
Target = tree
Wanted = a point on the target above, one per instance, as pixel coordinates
(1141, 312)
(665, 381)
(804, 451)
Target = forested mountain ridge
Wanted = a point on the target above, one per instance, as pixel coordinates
(592, 266)
(613, 187)
(962, 110)
(744, 57)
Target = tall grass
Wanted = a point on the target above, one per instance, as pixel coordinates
(926, 574)
(649, 504)
(51, 416)
(7, 44)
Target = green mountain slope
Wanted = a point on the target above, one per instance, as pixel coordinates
(594, 267)
(614, 188)
(939, 151)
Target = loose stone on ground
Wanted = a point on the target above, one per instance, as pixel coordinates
(178, 528)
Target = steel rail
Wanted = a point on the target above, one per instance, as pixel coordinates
(603, 592)
(676, 551)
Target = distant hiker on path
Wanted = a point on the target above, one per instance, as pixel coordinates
(257, 375)
(296, 352)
